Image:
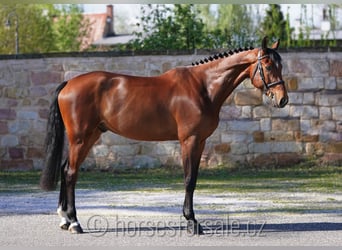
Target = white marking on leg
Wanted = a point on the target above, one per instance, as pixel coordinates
(74, 224)
(64, 218)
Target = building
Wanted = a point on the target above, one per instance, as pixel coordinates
(102, 34)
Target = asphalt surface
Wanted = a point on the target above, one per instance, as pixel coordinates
(127, 218)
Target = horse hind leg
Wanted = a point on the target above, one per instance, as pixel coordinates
(78, 150)
(62, 204)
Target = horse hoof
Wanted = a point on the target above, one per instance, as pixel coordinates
(194, 228)
(75, 228)
(64, 226)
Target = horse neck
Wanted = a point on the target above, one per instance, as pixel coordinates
(222, 76)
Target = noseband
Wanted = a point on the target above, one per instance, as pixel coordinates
(262, 76)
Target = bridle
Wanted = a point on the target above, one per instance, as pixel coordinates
(262, 76)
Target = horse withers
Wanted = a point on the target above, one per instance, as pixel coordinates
(182, 104)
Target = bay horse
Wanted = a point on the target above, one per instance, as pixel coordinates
(181, 104)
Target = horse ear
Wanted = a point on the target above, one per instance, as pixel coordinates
(264, 43)
(276, 45)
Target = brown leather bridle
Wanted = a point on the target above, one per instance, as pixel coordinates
(262, 76)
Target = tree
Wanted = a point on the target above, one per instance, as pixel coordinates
(235, 25)
(69, 28)
(42, 28)
(274, 26)
(34, 29)
(169, 28)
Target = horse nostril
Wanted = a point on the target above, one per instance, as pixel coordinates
(283, 102)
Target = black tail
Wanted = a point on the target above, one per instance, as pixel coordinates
(54, 143)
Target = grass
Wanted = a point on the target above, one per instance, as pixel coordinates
(301, 178)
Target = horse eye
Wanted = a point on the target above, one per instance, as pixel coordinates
(268, 67)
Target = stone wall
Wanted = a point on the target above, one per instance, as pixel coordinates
(249, 133)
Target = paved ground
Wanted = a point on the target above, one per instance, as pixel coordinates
(154, 218)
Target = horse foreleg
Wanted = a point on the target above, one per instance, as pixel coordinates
(191, 154)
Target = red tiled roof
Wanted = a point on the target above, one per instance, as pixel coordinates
(97, 23)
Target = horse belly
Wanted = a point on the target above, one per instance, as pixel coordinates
(146, 128)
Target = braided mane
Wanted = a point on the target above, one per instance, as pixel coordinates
(221, 55)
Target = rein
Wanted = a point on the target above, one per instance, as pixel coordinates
(262, 76)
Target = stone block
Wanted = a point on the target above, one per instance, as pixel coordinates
(323, 125)
(330, 83)
(18, 164)
(304, 112)
(299, 67)
(325, 113)
(235, 137)
(44, 77)
(281, 113)
(230, 112)
(262, 160)
(35, 153)
(222, 148)
(305, 125)
(259, 148)
(302, 137)
(261, 112)
(291, 83)
(326, 136)
(339, 83)
(145, 161)
(265, 124)
(295, 98)
(9, 141)
(286, 147)
(239, 148)
(337, 113)
(3, 127)
(329, 98)
(331, 158)
(336, 68)
(277, 136)
(288, 159)
(16, 153)
(285, 124)
(334, 147)
(43, 113)
(243, 125)
(311, 83)
(125, 150)
(319, 67)
(246, 112)
(258, 136)
(27, 115)
(308, 98)
(110, 139)
(19, 127)
(315, 149)
(7, 114)
(251, 97)
(100, 151)
(37, 91)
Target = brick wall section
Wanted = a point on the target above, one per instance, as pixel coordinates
(310, 126)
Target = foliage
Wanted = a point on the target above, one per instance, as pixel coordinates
(34, 29)
(236, 25)
(165, 28)
(70, 28)
(42, 28)
(274, 25)
(179, 27)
